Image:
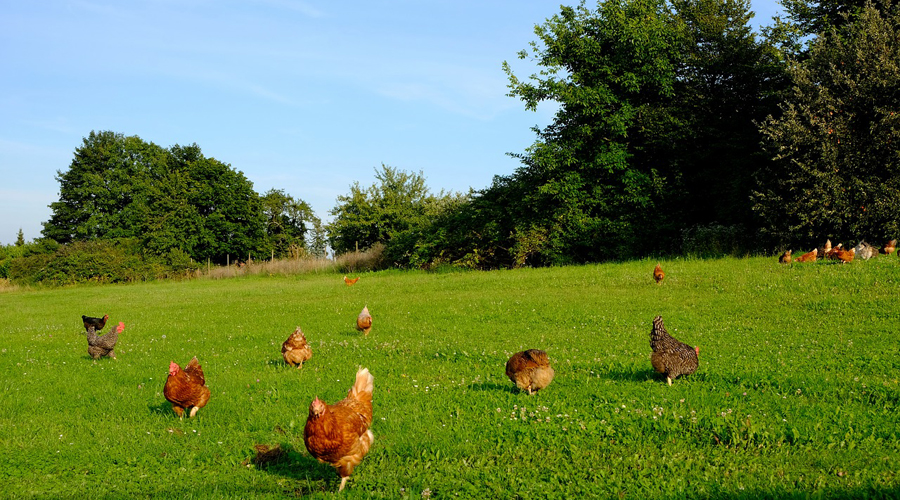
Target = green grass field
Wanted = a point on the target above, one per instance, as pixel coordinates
(796, 395)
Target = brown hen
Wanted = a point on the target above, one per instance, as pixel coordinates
(364, 321)
(809, 256)
(339, 434)
(658, 274)
(295, 350)
(785, 257)
(186, 388)
(530, 370)
(349, 281)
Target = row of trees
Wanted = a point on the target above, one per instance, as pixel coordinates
(677, 122)
(175, 201)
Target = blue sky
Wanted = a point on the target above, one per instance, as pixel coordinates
(305, 96)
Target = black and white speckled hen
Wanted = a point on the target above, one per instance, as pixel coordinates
(103, 345)
(671, 357)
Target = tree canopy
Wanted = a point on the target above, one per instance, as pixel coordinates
(175, 198)
(837, 143)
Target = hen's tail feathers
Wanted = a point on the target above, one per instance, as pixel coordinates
(365, 384)
(659, 330)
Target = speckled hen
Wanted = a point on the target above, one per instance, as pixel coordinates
(671, 357)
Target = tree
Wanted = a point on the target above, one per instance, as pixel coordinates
(399, 201)
(286, 221)
(837, 171)
(20, 238)
(171, 199)
(582, 195)
(727, 82)
(102, 195)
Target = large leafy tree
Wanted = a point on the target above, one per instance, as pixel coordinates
(176, 198)
(837, 144)
(581, 194)
(397, 202)
(287, 221)
(727, 82)
(654, 130)
(103, 193)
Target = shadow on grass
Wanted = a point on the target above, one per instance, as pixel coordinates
(284, 460)
(493, 386)
(163, 408)
(631, 374)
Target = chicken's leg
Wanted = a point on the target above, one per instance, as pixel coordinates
(669, 380)
(343, 483)
(194, 411)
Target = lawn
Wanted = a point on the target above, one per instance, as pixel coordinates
(796, 395)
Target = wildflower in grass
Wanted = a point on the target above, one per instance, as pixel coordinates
(426, 493)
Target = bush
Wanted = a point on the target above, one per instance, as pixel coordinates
(100, 261)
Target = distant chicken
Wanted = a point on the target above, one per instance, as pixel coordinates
(865, 251)
(844, 256)
(364, 321)
(530, 370)
(670, 356)
(889, 247)
(809, 256)
(186, 388)
(832, 254)
(785, 258)
(658, 274)
(295, 349)
(339, 434)
(823, 252)
(96, 323)
(349, 281)
(103, 345)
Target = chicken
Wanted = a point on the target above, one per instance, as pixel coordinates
(844, 256)
(889, 247)
(670, 356)
(97, 323)
(530, 370)
(785, 258)
(823, 252)
(865, 251)
(349, 281)
(809, 256)
(295, 349)
(832, 254)
(364, 321)
(339, 434)
(103, 345)
(658, 274)
(186, 388)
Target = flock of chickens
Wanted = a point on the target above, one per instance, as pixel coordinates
(863, 250)
(339, 434)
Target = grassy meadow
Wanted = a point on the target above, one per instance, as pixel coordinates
(796, 395)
